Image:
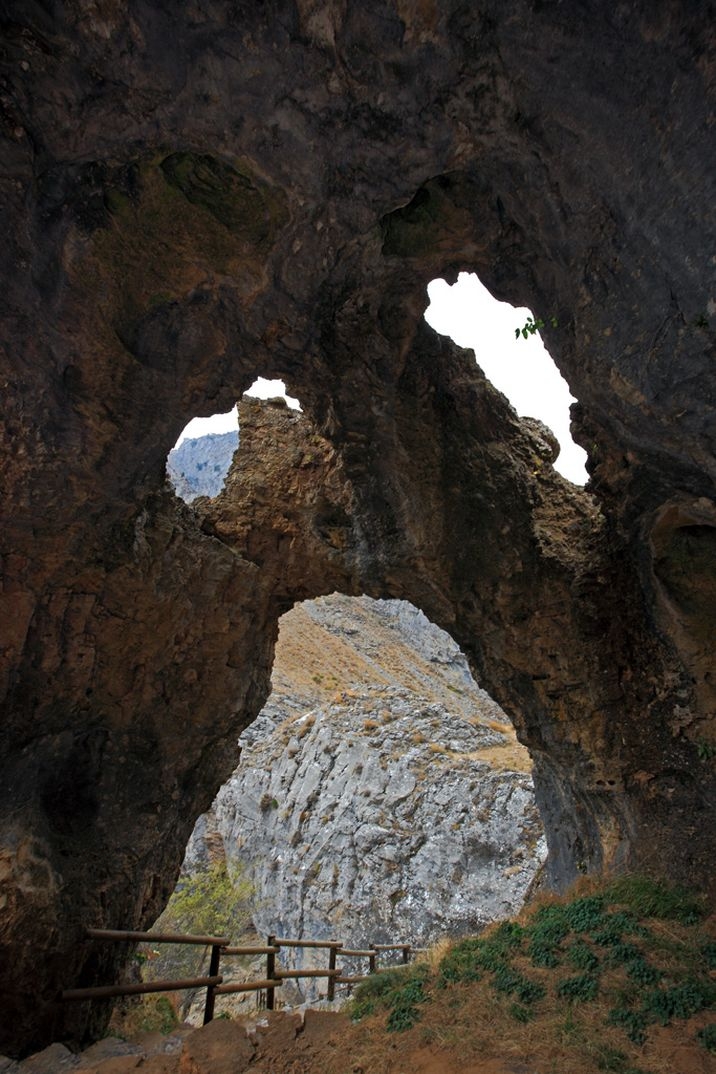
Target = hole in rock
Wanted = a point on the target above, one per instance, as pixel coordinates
(198, 463)
(521, 368)
(382, 796)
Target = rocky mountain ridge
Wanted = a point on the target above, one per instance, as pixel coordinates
(198, 466)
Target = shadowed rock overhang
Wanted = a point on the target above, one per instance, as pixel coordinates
(194, 197)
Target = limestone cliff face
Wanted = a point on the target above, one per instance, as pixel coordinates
(191, 197)
(398, 806)
(381, 818)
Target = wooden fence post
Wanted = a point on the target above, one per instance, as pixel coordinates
(372, 962)
(331, 989)
(406, 954)
(213, 972)
(270, 972)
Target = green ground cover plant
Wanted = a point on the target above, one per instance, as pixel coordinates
(398, 991)
(594, 976)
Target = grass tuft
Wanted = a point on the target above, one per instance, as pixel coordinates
(580, 988)
(581, 956)
(647, 897)
(398, 991)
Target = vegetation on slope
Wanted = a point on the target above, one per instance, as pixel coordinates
(614, 979)
(208, 902)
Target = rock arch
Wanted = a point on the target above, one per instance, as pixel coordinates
(269, 188)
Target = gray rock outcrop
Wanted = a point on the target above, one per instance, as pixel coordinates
(399, 810)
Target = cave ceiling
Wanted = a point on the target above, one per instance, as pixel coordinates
(194, 195)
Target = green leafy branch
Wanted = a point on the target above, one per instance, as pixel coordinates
(533, 325)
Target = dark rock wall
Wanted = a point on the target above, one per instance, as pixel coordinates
(195, 195)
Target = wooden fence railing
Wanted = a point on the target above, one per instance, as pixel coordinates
(220, 948)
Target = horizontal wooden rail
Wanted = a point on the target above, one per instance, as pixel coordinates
(156, 937)
(296, 974)
(213, 982)
(104, 991)
(246, 986)
(249, 951)
(307, 943)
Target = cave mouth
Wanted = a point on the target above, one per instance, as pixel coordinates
(199, 462)
(382, 796)
(512, 355)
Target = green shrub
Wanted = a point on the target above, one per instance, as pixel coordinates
(623, 953)
(506, 937)
(707, 1037)
(520, 1013)
(143, 1014)
(209, 902)
(610, 928)
(642, 972)
(402, 1016)
(632, 1022)
(492, 958)
(585, 914)
(581, 956)
(372, 993)
(708, 953)
(404, 1013)
(543, 953)
(636, 965)
(461, 963)
(399, 991)
(681, 1001)
(550, 924)
(468, 958)
(611, 1059)
(580, 988)
(511, 982)
(495, 950)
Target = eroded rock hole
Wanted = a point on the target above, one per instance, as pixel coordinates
(381, 795)
(198, 463)
(518, 365)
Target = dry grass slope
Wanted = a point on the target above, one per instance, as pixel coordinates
(619, 978)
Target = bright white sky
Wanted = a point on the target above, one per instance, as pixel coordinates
(226, 423)
(520, 368)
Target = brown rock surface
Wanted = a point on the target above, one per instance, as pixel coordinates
(192, 196)
(220, 1047)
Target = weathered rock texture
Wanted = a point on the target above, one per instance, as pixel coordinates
(195, 195)
(379, 820)
(381, 795)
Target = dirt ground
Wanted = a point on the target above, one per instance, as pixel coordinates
(318, 1043)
